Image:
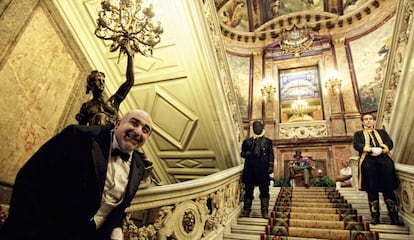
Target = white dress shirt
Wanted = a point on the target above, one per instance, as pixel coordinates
(346, 172)
(115, 185)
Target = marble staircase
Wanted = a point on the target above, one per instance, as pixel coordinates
(359, 200)
(251, 228)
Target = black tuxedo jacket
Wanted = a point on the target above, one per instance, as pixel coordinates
(257, 166)
(59, 190)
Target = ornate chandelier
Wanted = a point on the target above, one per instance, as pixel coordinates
(129, 25)
(300, 107)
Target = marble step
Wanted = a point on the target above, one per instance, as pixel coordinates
(251, 228)
(240, 236)
(252, 221)
(247, 229)
(387, 228)
(235, 236)
(390, 236)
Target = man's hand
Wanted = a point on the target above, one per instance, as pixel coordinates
(117, 234)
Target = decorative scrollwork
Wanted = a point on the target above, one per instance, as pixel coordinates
(195, 218)
(296, 40)
(292, 131)
(132, 232)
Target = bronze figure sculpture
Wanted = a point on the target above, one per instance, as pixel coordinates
(97, 110)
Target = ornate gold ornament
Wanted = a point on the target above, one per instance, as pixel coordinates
(129, 25)
(268, 88)
(333, 82)
(296, 40)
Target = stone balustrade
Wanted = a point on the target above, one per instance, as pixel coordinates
(405, 194)
(198, 209)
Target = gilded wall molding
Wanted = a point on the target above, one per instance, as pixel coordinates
(210, 14)
(397, 57)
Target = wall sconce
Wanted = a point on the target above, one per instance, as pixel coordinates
(268, 87)
(333, 82)
(129, 25)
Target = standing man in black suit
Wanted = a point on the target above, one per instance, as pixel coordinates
(376, 168)
(79, 183)
(258, 165)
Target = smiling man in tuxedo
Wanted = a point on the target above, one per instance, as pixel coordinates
(76, 187)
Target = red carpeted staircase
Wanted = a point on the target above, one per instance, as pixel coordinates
(314, 213)
(320, 213)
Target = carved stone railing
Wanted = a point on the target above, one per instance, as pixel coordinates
(406, 193)
(198, 209)
(353, 163)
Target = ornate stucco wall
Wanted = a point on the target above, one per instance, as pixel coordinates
(196, 133)
(41, 83)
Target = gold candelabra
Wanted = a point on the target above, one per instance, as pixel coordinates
(129, 25)
(268, 87)
(333, 82)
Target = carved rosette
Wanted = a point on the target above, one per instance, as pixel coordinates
(186, 221)
(407, 196)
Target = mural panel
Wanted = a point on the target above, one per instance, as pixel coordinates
(275, 8)
(351, 5)
(240, 72)
(369, 57)
(234, 14)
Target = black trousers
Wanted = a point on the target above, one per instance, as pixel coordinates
(249, 188)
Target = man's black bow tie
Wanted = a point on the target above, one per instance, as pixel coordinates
(117, 152)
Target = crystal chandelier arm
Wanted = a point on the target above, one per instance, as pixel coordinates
(134, 25)
(102, 26)
(129, 26)
(143, 22)
(103, 18)
(148, 38)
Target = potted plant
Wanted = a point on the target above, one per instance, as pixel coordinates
(323, 181)
(281, 182)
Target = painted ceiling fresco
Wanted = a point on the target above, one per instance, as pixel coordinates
(245, 15)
